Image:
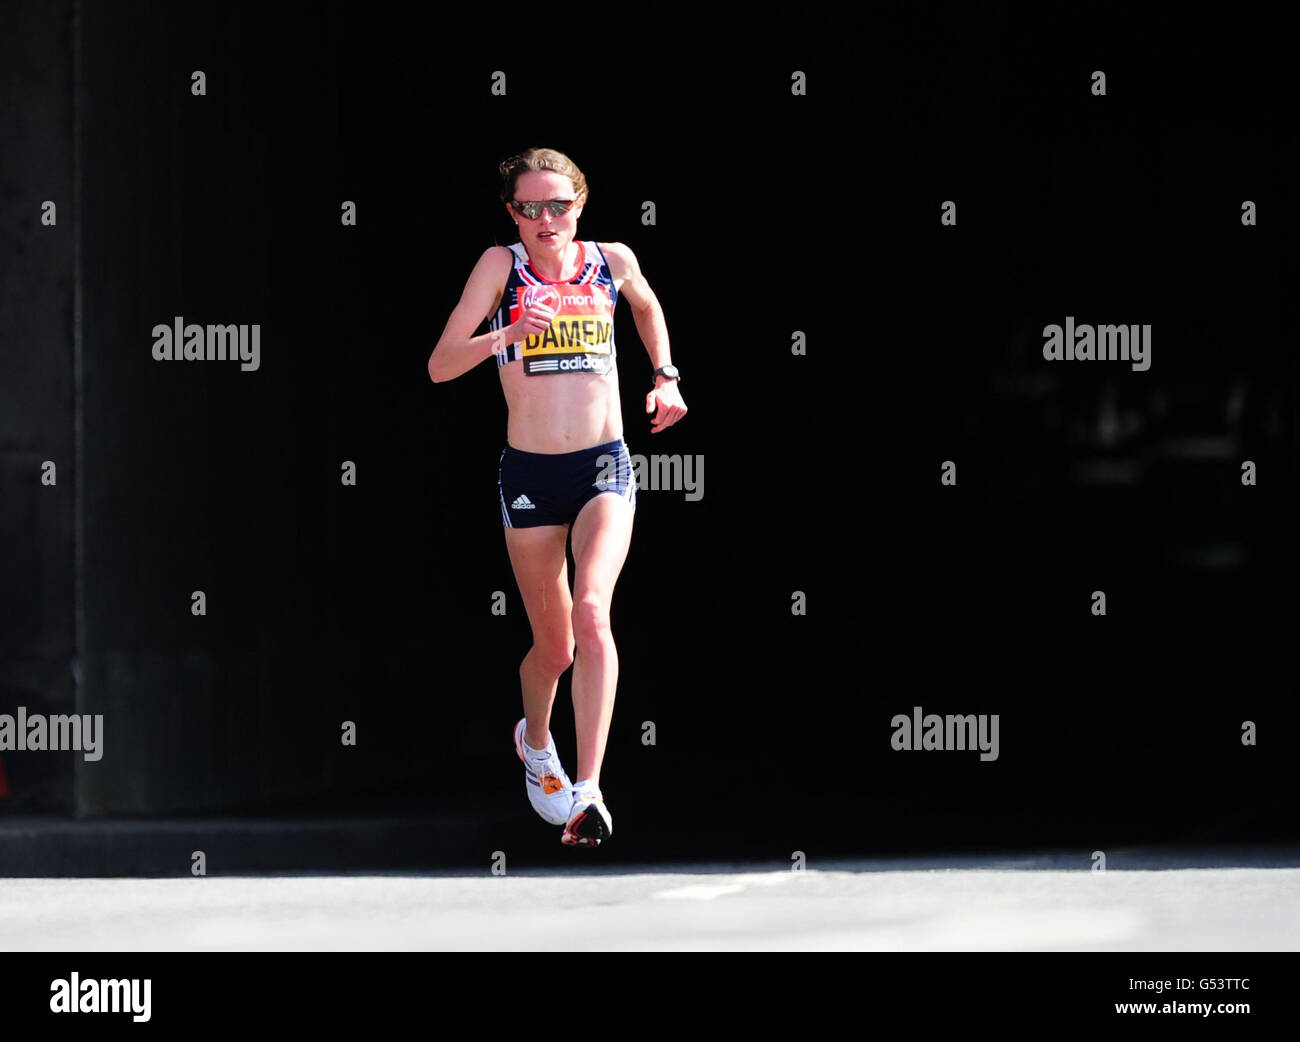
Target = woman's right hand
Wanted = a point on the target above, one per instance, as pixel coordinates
(535, 319)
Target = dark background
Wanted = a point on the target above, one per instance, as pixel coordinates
(775, 213)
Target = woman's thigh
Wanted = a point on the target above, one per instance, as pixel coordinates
(602, 534)
(541, 569)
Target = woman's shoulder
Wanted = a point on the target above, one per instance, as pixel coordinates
(497, 259)
(618, 255)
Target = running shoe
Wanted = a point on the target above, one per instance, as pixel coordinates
(549, 789)
(589, 821)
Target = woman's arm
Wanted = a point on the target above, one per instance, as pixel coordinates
(457, 351)
(646, 311)
(664, 403)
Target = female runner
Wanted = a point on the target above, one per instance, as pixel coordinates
(549, 299)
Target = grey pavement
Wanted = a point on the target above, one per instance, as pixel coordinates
(955, 904)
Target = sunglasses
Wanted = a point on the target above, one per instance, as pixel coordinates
(533, 210)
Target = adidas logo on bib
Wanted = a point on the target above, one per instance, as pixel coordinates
(523, 503)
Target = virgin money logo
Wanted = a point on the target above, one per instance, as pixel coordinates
(547, 296)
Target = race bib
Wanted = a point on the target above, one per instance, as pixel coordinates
(581, 335)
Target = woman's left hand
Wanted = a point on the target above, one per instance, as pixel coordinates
(668, 400)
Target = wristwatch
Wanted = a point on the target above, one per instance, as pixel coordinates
(670, 372)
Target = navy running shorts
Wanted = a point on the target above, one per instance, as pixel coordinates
(543, 488)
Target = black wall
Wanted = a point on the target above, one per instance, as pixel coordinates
(37, 649)
(775, 213)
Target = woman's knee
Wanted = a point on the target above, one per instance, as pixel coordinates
(553, 654)
(590, 620)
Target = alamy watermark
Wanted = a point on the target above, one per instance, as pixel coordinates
(212, 343)
(1098, 343)
(932, 732)
(670, 473)
(38, 732)
(131, 995)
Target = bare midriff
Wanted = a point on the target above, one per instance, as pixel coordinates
(560, 412)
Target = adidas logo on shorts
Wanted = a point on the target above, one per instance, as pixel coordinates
(523, 503)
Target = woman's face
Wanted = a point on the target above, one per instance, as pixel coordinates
(546, 234)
